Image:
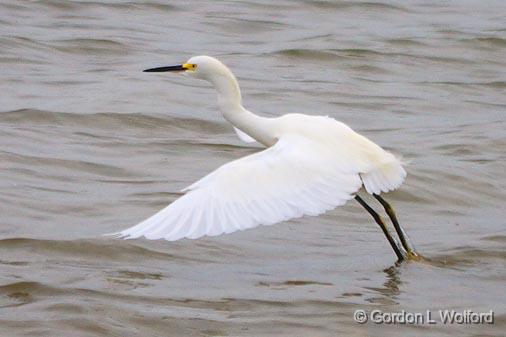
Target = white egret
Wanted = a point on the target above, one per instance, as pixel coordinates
(312, 164)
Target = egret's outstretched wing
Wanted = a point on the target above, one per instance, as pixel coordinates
(288, 180)
(243, 136)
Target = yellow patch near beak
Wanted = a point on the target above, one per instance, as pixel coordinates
(189, 66)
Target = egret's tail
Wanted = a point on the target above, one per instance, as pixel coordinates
(384, 177)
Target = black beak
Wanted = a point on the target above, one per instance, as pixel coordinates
(179, 67)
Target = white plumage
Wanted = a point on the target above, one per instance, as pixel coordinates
(312, 164)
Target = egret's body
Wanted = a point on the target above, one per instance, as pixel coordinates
(312, 164)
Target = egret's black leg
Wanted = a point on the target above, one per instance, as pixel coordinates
(398, 228)
(393, 242)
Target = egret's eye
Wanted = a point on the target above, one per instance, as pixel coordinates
(189, 66)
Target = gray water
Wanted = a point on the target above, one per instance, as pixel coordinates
(89, 145)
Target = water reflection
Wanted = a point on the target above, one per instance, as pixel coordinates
(390, 289)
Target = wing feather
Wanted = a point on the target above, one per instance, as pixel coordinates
(288, 180)
(243, 136)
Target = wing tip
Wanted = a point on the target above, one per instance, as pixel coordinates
(117, 235)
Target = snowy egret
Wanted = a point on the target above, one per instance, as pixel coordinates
(312, 164)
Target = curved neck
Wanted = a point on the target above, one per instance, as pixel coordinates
(230, 104)
(229, 93)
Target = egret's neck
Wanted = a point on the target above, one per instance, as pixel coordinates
(229, 94)
(230, 104)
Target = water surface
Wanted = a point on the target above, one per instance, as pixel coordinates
(89, 145)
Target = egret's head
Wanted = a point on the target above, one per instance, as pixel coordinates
(203, 67)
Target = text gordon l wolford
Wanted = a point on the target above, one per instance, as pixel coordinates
(445, 316)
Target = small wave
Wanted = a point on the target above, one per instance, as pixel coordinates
(17, 293)
(335, 54)
(127, 5)
(130, 5)
(18, 41)
(329, 54)
(241, 25)
(405, 42)
(90, 46)
(486, 41)
(493, 84)
(138, 275)
(307, 54)
(376, 6)
(495, 238)
(468, 256)
(293, 283)
(110, 120)
(22, 286)
(100, 249)
(99, 169)
(56, 4)
(367, 68)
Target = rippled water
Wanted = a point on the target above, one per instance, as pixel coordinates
(89, 145)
